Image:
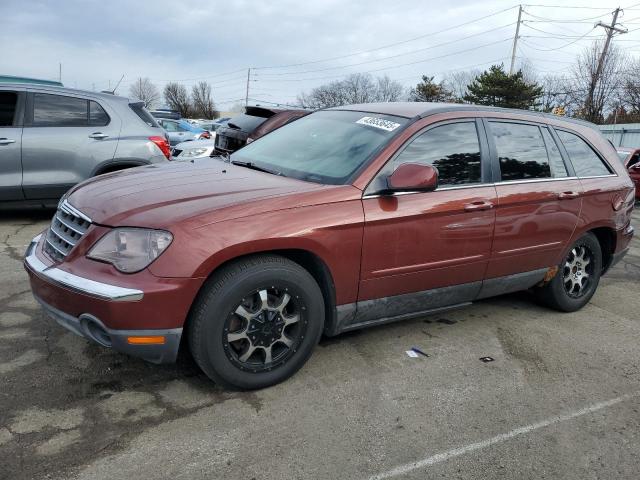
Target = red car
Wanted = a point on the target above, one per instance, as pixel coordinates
(346, 218)
(631, 159)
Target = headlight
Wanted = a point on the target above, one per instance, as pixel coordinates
(131, 249)
(196, 152)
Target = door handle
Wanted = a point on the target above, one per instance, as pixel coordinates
(481, 205)
(568, 195)
(6, 141)
(98, 136)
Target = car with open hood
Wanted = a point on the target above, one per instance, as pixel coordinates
(346, 218)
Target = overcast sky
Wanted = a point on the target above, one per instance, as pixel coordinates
(99, 41)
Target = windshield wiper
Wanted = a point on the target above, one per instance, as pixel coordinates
(253, 166)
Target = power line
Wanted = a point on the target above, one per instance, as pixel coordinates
(565, 45)
(390, 67)
(388, 57)
(390, 44)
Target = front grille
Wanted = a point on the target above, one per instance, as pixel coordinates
(67, 228)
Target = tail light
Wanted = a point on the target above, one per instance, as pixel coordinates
(163, 145)
(205, 134)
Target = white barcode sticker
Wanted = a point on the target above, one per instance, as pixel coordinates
(379, 123)
(412, 354)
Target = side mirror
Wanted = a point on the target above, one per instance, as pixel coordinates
(413, 177)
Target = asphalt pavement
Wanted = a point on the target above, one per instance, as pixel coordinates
(560, 400)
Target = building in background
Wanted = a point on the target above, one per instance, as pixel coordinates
(622, 134)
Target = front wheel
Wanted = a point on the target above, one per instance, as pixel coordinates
(577, 278)
(256, 322)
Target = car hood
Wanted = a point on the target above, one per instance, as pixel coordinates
(197, 192)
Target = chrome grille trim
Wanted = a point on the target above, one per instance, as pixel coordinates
(67, 228)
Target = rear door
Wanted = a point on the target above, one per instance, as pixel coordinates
(432, 245)
(11, 115)
(539, 198)
(65, 138)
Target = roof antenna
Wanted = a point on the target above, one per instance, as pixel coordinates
(113, 92)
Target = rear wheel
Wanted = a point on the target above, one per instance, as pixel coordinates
(577, 278)
(256, 322)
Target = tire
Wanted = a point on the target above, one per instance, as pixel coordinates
(576, 281)
(256, 322)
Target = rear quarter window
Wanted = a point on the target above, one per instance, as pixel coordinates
(586, 162)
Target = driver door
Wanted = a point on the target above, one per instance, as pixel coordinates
(424, 250)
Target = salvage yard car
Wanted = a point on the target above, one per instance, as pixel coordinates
(52, 138)
(347, 218)
(630, 157)
(251, 125)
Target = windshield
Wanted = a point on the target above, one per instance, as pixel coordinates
(325, 147)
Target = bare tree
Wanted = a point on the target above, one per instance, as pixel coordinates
(203, 105)
(457, 83)
(142, 89)
(177, 98)
(631, 88)
(557, 92)
(356, 88)
(529, 73)
(605, 86)
(388, 90)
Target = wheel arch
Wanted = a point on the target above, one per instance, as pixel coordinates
(307, 259)
(607, 239)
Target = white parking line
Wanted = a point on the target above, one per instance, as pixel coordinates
(456, 452)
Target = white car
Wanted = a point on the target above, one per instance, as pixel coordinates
(198, 149)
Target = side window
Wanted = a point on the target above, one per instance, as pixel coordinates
(558, 168)
(521, 151)
(59, 111)
(97, 116)
(585, 161)
(454, 149)
(8, 101)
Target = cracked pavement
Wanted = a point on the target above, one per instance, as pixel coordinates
(73, 410)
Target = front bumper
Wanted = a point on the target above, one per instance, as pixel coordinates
(92, 328)
(145, 322)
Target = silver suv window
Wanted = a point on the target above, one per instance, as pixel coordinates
(64, 111)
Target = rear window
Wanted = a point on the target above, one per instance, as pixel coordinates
(143, 114)
(585, 161)
(246, 123)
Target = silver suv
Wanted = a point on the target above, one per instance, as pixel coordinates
(52, 138)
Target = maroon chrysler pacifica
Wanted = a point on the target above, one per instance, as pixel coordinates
(349, 217)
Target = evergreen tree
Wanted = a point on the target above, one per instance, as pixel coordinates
(429, 91)
(497, 88)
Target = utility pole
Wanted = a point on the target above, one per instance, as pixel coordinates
(60, 72)
(246, 97)
(610, 31)
(515, 40)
